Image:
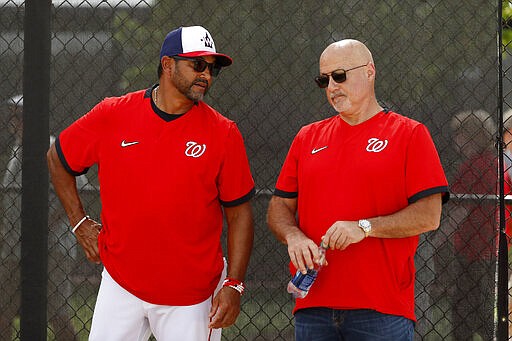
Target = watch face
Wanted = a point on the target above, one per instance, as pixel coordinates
(365, 224)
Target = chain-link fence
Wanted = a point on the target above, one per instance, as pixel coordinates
(437, 62)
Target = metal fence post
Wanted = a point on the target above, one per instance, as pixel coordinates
(502, 266)
(34, 207)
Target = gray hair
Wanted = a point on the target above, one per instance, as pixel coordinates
(477, 126)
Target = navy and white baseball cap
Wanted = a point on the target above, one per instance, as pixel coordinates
(192, 41)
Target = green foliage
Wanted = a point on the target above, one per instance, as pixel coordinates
(132, 35)
(506, 38)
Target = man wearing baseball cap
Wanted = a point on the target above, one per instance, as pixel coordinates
(169, 166)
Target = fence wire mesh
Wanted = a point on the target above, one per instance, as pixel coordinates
(436, 62)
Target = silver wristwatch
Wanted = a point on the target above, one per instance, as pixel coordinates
(366, 226)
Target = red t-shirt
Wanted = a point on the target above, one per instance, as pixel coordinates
(343, 172)
(476, 235)
(162, 184)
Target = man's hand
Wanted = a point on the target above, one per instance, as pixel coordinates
(343, 233)
(87, 236)
(225, 308)
(303, 251)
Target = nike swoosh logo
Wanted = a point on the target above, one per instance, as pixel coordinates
(314, 151)
(127, 144)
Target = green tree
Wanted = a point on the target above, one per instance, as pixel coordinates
(506, 38)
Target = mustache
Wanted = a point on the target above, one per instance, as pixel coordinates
(197, 81)
(336, 93)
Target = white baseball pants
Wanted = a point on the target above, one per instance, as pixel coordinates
(120, 316)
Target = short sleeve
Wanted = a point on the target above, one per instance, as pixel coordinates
(424, 172)
(78, 144)
(235, 183)
(287, 185)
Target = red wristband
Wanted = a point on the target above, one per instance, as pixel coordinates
(234, 284)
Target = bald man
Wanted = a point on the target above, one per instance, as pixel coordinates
(365, 182)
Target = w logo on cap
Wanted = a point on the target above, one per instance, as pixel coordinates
(208, 41)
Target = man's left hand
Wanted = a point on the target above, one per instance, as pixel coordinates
(343, 233)
(225, 308)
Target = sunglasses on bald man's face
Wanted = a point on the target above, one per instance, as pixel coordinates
(200, 65)
(339, 76)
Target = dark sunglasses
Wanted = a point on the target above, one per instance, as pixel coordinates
(339, 76)
(200, 65)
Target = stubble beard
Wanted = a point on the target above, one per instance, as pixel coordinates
(341, 103)
(187, 89)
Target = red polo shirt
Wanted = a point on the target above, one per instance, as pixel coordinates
(343, 172)
(162, 185)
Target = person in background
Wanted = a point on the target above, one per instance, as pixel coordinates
(170, 168)
(366, 182)
(475, 225)
(507, 140)
(507, 158)
(61, 246)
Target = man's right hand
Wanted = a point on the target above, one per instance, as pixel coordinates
(87, 235)
(303, 251)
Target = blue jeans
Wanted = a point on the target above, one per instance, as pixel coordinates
(325, 324)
